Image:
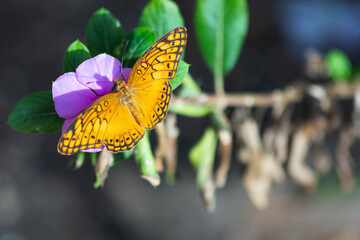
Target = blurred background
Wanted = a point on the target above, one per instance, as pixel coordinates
(41, 198)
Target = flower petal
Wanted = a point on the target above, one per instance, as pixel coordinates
(125, 73)
(70, 97)
(93, 149)
(99, 72)
(67, 124)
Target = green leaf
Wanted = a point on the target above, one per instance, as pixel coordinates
(93, 157)
(338, 66)
(99, 180)
(35, 113)
(122, 156)
(189, 88)
(79, 160)
(182, 70)
(145, 160)
(202, 156)
(357, 73)
(162, 16)
(221, 27)
(103, 32)
(75, 54)
(138, 41)
(190, 110)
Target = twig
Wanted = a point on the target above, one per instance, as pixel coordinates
(291, 94)
(161, 147)
(225, 149)
(303, 138)
(172, 133)
(344, 158)
(262, 168)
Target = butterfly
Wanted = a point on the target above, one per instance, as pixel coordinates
(117, 119)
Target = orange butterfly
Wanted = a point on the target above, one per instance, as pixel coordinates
(117, 119)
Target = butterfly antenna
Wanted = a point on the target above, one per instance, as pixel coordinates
(122, 59)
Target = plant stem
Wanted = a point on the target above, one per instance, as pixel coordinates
(219, 55)
(219, 81)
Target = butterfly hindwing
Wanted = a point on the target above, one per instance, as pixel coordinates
(124, 131)
(153, 103)
(151, 74)
(105, 122)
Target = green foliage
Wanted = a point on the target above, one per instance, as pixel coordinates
(162, 16)
(221, 27)
(189, 88)
(138, 41)
(182, 70)
(35, 113)
(357, 72)
(202, 156)
(338, 66)
(93, 157)
(75, 54)
(99, 180)
(103, 32)
(145, 159)
(122, 156)
(190, 110)
(79, 160)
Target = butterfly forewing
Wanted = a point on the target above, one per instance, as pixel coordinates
(153, 111)
(151, 74)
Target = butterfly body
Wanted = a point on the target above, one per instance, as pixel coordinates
(126, 95)
(117, 119)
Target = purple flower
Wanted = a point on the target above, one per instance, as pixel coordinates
(74, 91)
